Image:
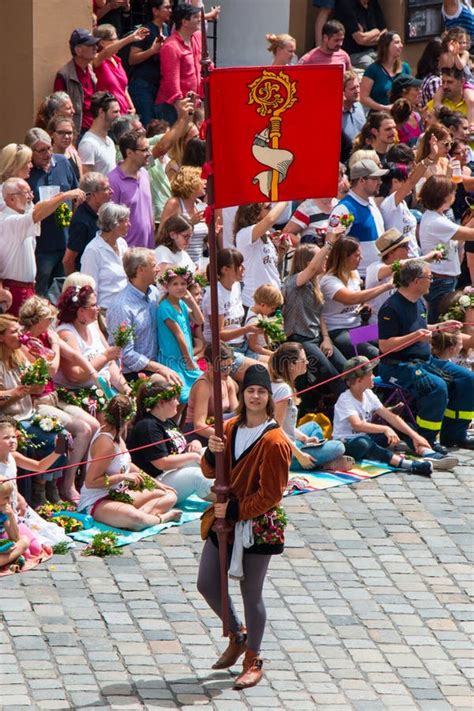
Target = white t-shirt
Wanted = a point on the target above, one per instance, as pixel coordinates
(230, 306)
(164, 255)
(402, 219)
(282, 391)
(102, 263)
(371, 280)
(335, 314)
(252, 318)
(18, 235)
(346, 406)
(260, 261)
(228, 216)
(246, 436)
(436, 228)
(98, 152)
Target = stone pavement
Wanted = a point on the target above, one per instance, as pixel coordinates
(368, 609)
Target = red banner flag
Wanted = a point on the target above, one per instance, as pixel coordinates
(276, 133)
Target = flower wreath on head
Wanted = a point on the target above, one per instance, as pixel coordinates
(458, 310)
(150, 400)
(182, 272)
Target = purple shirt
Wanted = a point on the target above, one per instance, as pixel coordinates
(135, 194)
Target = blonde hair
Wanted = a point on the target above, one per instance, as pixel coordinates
(186, 182)
(34, 309)
(78, 279)
(364, 154)
(268, 295)
(6, 486)
(437, 130)
(13, 157)
(278, 41)
(11, 358)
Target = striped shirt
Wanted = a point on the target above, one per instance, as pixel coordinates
(463, 17)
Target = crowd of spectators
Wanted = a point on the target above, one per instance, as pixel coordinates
(103, 213)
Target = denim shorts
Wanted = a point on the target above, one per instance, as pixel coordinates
(237, 361)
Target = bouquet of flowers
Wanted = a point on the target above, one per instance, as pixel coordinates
(62, 215)
(36, 373)
(344, 220)
(47, 424)
(68, 523)
(47, 511)
(103, 544)
(272, 327)
(148, 484)
(396, 266)
(123, 335)
(270, 526)
(442, 248)
(25, 440)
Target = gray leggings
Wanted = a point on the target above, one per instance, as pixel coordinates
(255, 569)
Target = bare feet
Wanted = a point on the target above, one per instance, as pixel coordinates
(342, 463)
(172, 515)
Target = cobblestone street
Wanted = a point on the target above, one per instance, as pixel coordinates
(368, 609)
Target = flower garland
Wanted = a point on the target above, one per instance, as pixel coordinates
(46, 423)
(182, 272)
(151, 400)
(135, 384)
(92, 399)
(459, 309)
(123, 335)
(25, 440)
(35, 374)
(270, 526)
(52, 513)
(148, 483)
(103, 544)
(62, 215)
(201, 279)
(273, 330)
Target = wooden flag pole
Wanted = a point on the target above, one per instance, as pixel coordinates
(221, 485)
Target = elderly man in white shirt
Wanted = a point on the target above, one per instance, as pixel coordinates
(19, 228)
(102, 258)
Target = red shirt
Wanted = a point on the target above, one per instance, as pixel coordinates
(317, 56)
(180, 65)
(85, 79)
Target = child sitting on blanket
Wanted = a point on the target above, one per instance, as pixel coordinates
(11, 554)
(364, 439)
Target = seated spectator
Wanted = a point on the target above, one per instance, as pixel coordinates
(111, 471)
(437, 195)
(366, 179)
(144, 60)
(343, 297)
(428, 70)
(378, 133)
(36, 317)
(102, 258)
(267, 299)
(309, 449)
(188, 189)
(364, 439)
(111, 76)
(173, 241)
(443, 407)
(77, 79)
(180, 58)
(50, 170)
(136, 306)
(364, 24)
(15, 162)
(302, 312)
(96, 148)
(20, 228)
(378, 78)
(330, 50)
(252, 224)
(83, 227)
(15, 400)
(283, 48)
(231, 311)
(200, 410)
(170, 460)
(175, 311)
(78, 327)
(353, 114)
(309, 222)
(61, 129)
(57, 104)
(397, 185)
